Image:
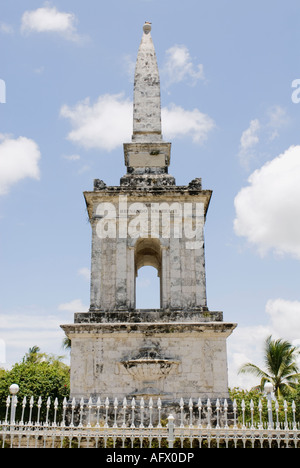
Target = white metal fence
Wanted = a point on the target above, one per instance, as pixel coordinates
(147, 424)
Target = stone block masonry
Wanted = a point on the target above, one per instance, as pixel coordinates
(176, 351)
(167, 360)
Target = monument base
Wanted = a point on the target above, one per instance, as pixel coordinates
(166, 360)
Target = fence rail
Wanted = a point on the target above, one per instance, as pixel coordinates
(147, 424)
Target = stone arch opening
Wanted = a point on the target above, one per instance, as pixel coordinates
(148, 254)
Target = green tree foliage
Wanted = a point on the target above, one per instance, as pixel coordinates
(38, 375)
(281, 368)
(256, 396)
(66, 343)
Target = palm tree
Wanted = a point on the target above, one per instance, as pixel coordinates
(33, 355)
(281, 367)
(66, 344)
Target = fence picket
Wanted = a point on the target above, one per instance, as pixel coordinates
(138, 422)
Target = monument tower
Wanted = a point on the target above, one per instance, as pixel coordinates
(176, 351)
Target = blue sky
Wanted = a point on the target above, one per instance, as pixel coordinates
(227, 71)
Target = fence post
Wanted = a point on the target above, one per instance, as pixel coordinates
(171, 431)
(269, 389)
(14, 388)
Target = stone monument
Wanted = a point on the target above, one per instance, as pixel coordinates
(176, 351)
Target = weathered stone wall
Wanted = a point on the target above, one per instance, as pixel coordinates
(170, 361)
(120, 219)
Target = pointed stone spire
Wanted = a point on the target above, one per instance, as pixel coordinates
(146, 102)
(147, 157)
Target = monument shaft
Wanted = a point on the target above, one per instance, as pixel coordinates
(176, 351)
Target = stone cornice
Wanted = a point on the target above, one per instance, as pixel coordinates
(171, 194)
(208, 328)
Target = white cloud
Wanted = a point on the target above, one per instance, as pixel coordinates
(19, 159)
(6, 28)
(278, 117)
(48, 19)
(84, 169)
(249, 137)
(248, 140)
(262, 131)
(73, 306)
(246, 344)
(107, 123)
(129, 66)
(19, 331)
(28, 321)
(268, 210)
(85, 273)
(71, 157)
(285, 318)
(2, 352)
(178, 122)
(39, 70)
(179, 66)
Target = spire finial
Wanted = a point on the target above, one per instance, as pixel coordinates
(147, 27)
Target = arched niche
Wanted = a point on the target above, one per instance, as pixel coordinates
(148, 253)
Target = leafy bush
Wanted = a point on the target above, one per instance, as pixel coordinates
(38, 375)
